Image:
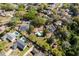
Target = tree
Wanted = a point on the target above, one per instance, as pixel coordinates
(7, 6)
(31, 28)
(76, 19)
(13, 22)
(46, 46)
(66, 6)
(43, 6)
(70, 52)
(74, 27)
(43, 44)
(56, 17)
(74, 41)
(51, 40)
(20, 14)
(65, 44)
(20, 11)
(56, 52)
(74, 9)
(2, 45)
(39, 21)
(54, 11)
(33, 37)
(21, 7)
(40, 43)
(64, 32)
(31, 14)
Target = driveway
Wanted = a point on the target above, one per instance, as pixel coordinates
(9, 52)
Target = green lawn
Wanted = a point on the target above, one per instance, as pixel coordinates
(2, 45)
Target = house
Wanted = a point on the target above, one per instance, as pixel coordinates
(40, 33)
(36, 52)
(51, 28)
(10, 36)
(24, 26)
(22, 43)
(53, 5)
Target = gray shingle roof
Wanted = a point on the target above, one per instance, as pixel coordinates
(20, 44)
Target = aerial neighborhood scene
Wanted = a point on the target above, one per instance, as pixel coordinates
(39, 29)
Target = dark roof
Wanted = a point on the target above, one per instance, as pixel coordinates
(24, 19)
(20, 44)
(36, 52)
(24, 27)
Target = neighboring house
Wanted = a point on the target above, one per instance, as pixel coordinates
(51, 28)
(38, 29)
(40, 33)
(22, 43)
(10, 36)
(24, 26)
(36, 52)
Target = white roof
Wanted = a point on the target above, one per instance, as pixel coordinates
(11, 36)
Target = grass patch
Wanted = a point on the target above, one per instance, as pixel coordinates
(2, 45)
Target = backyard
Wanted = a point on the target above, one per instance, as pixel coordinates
(19, 53)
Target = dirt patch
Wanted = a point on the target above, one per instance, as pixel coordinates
(4, 20)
